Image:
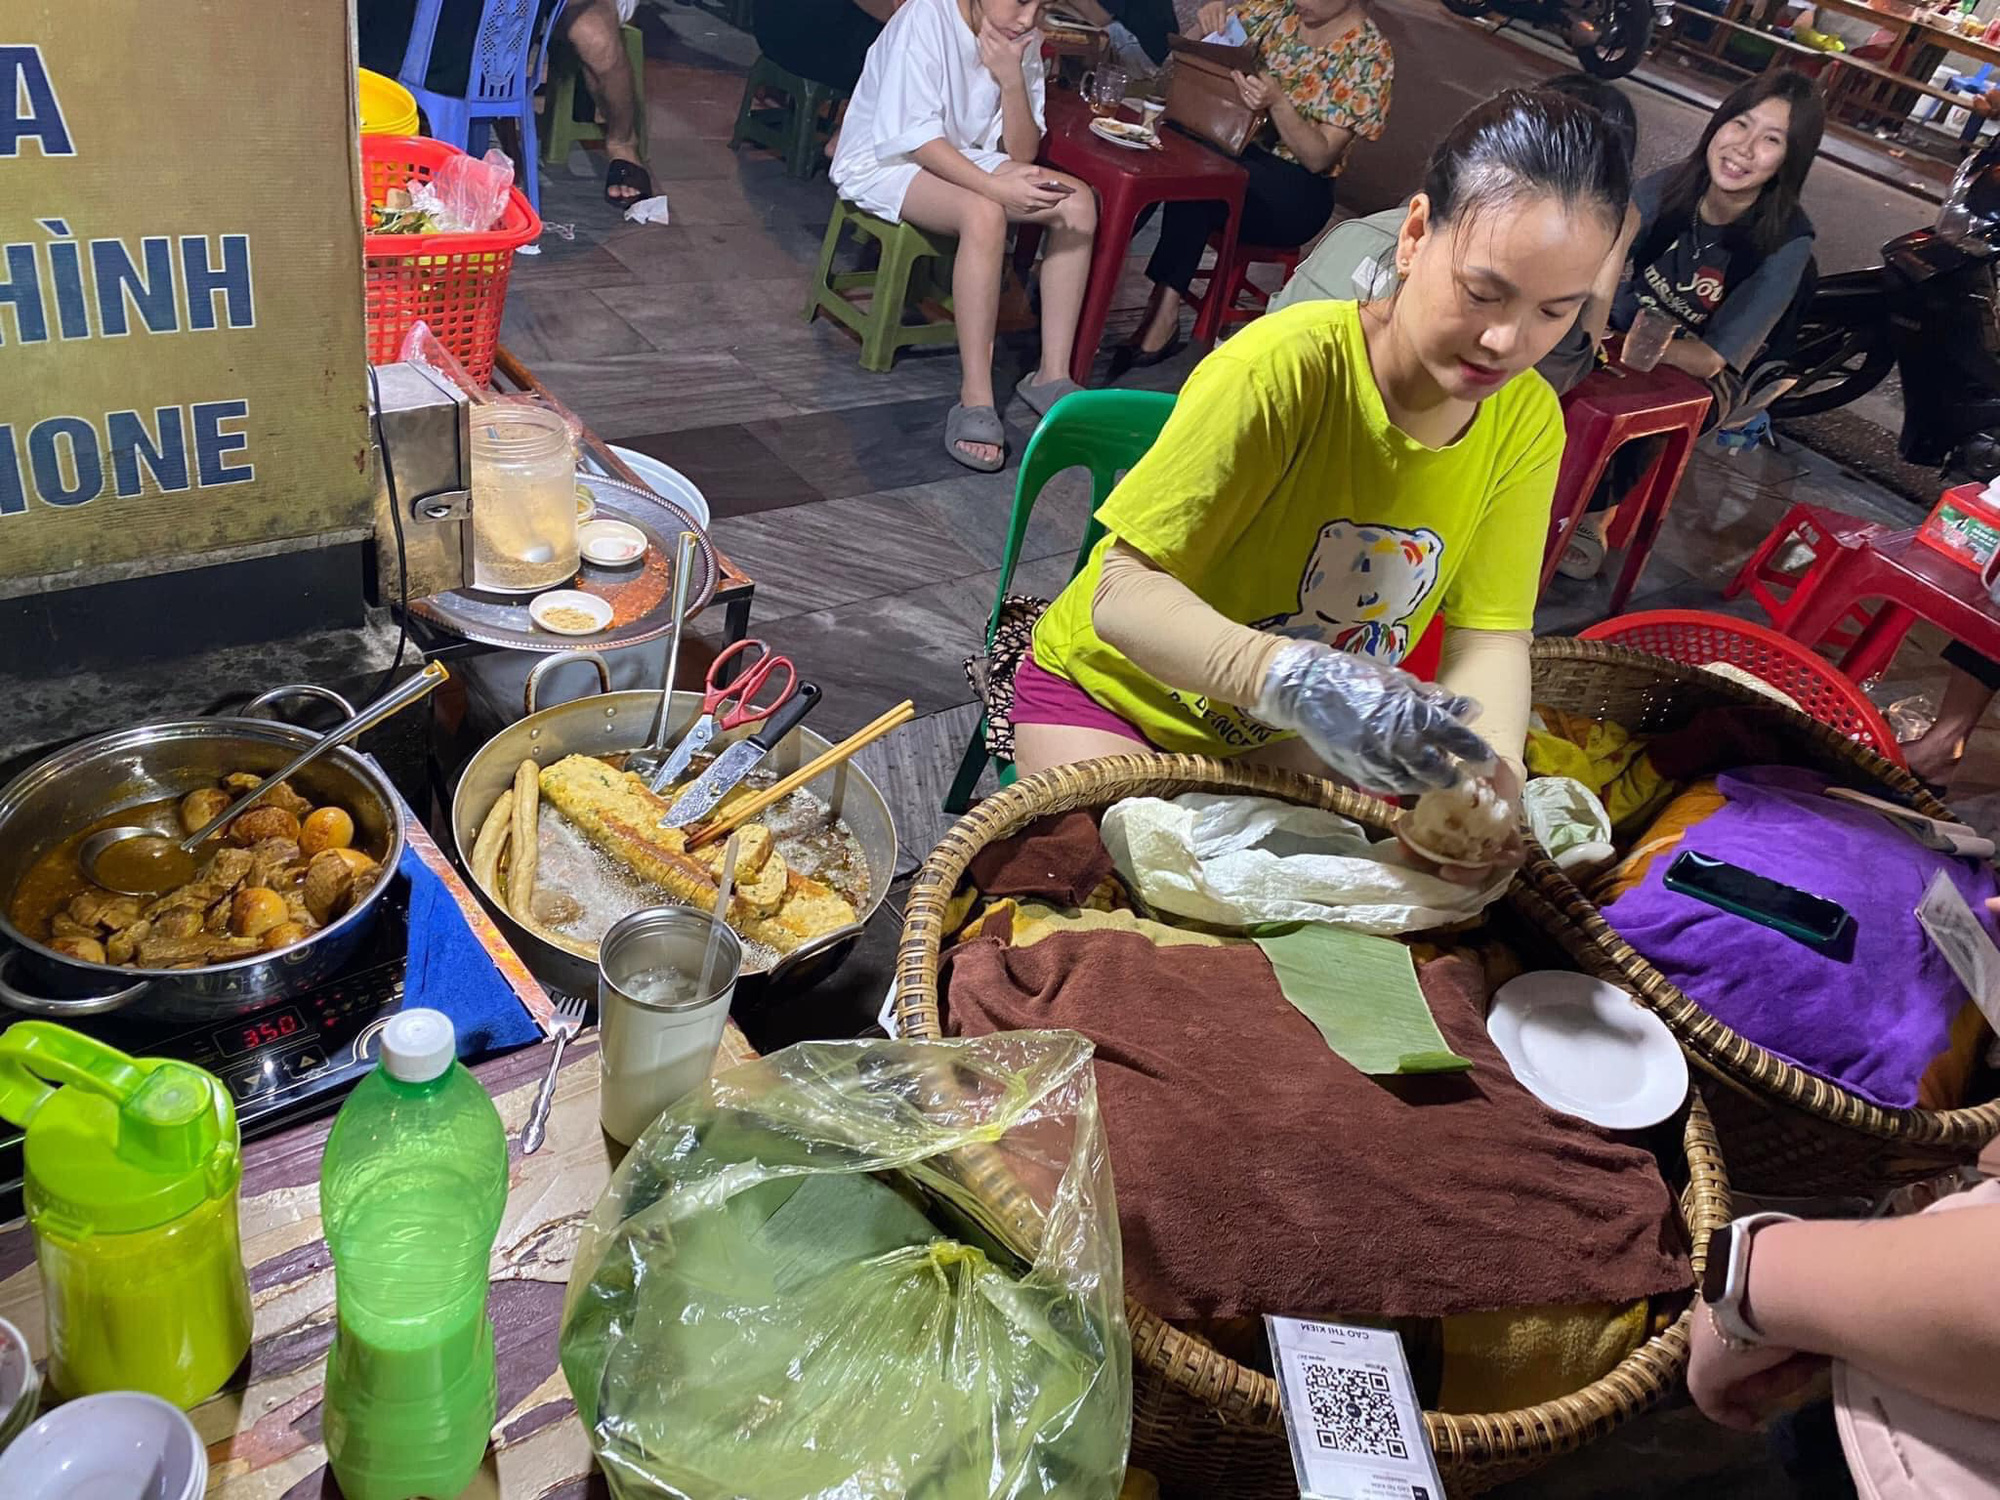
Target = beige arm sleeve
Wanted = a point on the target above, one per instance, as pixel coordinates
(1162, 627)
(1492, 666)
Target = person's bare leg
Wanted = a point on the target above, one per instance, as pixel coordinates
(592, 28)
(1037, 747)
(1934, 753)
(1065, 273)
(981, 226)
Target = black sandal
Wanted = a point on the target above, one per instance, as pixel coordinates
(622, 173)
(1128, 357)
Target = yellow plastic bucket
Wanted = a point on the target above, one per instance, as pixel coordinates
(387, 108)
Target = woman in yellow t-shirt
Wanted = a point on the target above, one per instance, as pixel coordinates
(1333, 476)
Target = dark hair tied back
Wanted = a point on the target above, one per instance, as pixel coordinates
(1529, 143)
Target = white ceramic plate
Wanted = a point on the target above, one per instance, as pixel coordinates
(1122, 133)
(1588, 1049)
(541, 611)
(667, 482)
(611, 544)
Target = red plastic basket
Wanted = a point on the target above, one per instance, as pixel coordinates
(457, 283)
(1697, 638)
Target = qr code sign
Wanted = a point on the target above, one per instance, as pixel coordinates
(1352, 1409)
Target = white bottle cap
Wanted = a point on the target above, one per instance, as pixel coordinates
(417, 1045)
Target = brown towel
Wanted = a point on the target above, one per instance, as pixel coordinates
(1060, 859)
(1258, 1173)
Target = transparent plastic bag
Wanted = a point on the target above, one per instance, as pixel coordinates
(467, 195)
(790, 1292)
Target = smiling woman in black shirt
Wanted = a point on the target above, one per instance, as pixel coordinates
(1721, 248)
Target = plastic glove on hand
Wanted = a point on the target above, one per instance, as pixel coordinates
(1373, 723)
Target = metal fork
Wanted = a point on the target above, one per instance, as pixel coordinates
(570, 1011)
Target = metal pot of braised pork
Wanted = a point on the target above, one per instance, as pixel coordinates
(280, 899)
(810, 872)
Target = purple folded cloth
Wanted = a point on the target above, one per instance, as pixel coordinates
(1872, 1021)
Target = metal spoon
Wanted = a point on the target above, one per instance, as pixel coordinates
(148, 862)
(648, 763)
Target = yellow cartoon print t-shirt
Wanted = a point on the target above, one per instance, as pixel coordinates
(1281, 493)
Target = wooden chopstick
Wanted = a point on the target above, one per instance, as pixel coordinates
(825, 761)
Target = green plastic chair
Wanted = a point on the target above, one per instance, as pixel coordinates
(914, 269)
(795, 130)
(1105, 432)
(561, 128)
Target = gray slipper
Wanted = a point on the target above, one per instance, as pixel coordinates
(975, 424)
(1048, 393)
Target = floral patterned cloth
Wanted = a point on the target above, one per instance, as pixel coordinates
(1344, 83)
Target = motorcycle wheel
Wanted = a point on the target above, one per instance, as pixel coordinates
(1838, 361)
(1625, 31)
(1472, 10)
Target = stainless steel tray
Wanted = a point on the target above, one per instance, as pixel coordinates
(640, 595)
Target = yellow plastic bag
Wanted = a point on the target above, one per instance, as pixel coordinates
(788, 1292)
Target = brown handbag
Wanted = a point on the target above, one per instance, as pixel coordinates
(1202, 97)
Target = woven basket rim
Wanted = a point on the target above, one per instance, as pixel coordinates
(1719, 1050)
(1238, 1395)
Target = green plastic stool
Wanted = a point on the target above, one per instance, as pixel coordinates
(915, 267)
(797, 130)
(561, 128)
(1105, 432)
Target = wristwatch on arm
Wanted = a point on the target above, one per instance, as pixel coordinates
(1725, 1282)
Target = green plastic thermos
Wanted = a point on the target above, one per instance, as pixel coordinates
(133, 1165)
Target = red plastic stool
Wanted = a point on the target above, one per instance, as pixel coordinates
(1232, 282)
(1612, 407)
(1810, 680)
(1831, 537)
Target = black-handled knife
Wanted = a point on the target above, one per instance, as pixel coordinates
(739, 760)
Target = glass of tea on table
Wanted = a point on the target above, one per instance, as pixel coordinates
(1104, 89)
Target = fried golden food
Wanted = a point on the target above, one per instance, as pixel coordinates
(527, 840)
(620, 817)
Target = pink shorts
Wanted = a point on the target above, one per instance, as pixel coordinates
(1041, 697)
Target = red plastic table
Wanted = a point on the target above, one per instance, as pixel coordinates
(1612, 407)
(1914, 582)
(1127, 181)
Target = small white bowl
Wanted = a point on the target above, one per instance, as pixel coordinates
(20, 1384)
(590, 613)
(611, 544)
(121, 1445)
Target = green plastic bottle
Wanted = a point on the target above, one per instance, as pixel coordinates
(132, 1169)
(411, 1191)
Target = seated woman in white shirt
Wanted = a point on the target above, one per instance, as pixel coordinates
(942, 131)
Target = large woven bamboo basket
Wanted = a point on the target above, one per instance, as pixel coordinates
(1784, 1130)
(1202, 1423)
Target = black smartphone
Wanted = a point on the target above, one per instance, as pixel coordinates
(1056, 187)
(1812, 920)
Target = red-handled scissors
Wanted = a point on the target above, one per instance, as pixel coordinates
(736, 686)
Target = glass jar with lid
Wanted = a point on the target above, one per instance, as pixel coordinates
(523, 498)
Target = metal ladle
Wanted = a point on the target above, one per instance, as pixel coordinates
(145, 862)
